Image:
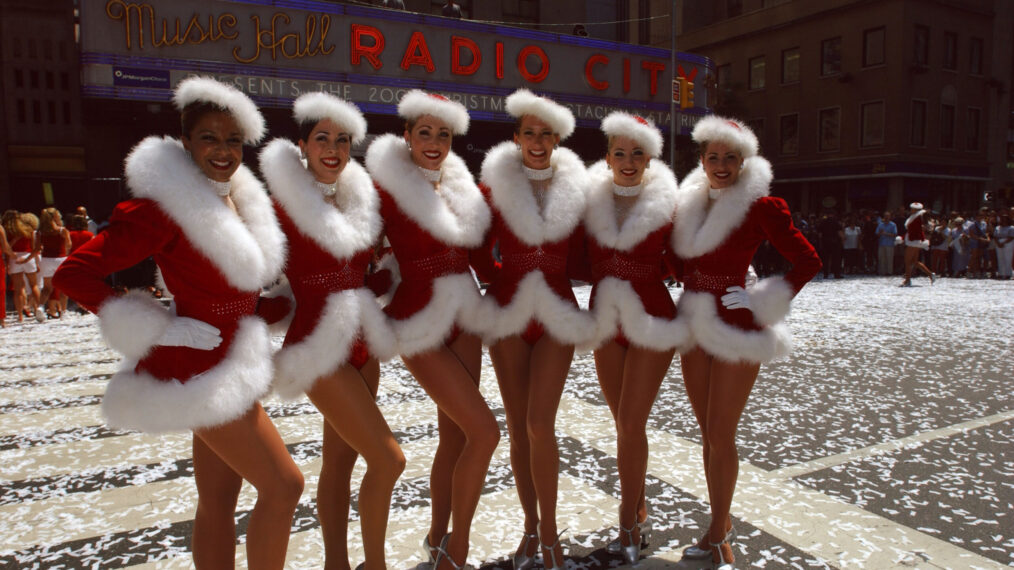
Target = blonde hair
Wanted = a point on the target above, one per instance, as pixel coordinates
(15, 226)
(31, 219)
(51, 221)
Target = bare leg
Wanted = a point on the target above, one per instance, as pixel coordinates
(214, 538)
(251, 447)
(450, 376)
(510, 358)
(347, 401)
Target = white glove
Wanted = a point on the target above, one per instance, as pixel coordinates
(192, 333)
(736, 298)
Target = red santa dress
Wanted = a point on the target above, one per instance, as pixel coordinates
(629, 299)
(432, 234)
(540, 250)
(330, 250)
(915, 235)
(213, 260)
(714, 247)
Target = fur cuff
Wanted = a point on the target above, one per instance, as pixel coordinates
(390, 264)
(133, 323)
(770, 300)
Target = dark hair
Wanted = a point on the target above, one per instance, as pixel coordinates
(193, 113)
(305, 128)
(77, 222)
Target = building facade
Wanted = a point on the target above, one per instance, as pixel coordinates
(862, 104)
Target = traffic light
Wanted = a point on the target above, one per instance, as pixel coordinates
(686, 94)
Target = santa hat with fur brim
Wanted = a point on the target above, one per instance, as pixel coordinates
(417, 103)
(559, 118)
(226, 97)
(729, 131)
(620, 124)
(315, 107)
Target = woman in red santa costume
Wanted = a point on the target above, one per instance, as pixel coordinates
(203, 365)
(723, 214)
(628, 220)
(434, 214)
(330, 213)
(915, 243)
(536, 192)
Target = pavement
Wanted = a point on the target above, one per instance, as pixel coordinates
(884, 441)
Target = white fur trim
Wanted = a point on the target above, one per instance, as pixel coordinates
(523, 102)
(460, 218)
(341, 232)
(734, 133)
(617, 305)
(653, 210)
(133, 323)
(390, 263)
(512, 194)
(770, 300)
(699, 230)
(913, 217)
(314, 107)
(534, 299)
(319, 354)
(644, 132)
(698, 310)
(921, 244)
(226, 97)
(455, 300)
(417, 103)
(214, 397)
(249, 248)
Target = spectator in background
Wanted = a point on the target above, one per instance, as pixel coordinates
(393, 4)
(831, 238)
(451, 10)
(978, 235)
(940, 241)
(90, 224)
(79, 235)
(886, 232)
(1004, 236)
(869, 241)
(852, 245)
(960, 247)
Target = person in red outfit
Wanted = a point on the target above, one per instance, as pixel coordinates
(915, 243)
(79, 234)
(330, 213)
(22, 266)
(55, 244)
(723, 214)
(628, 220)
(536, 192)
(434, 215)
(202, 365)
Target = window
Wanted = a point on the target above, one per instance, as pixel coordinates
(788, 134)
(947, 126)
(873, 46)
(790, 65)
(830, 129)
(644, 23)
(757, 73)
(972, 127)
(830, 56)
(757, 126)
(975, 56)
(922, 41)
(522, 10)
(950, 50)
(917, 137)
(872, 117)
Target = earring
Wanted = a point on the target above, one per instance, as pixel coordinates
(302, 155)
(556, 146)
(518, 145)
(187, 152)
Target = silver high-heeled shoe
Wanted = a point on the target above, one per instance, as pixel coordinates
(522, 561)
(631, 552)
(644, 527)
(552, 563)
(430, 552)
(722, 564)
(443, 555)
(694, 552)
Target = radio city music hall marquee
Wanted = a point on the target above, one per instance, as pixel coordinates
(140, 50)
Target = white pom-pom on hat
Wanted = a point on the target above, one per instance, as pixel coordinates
(417, 103)
(620, 124)
(559, 118)
(226, 97)
(729, 131)
(315, 107)
(915, 205)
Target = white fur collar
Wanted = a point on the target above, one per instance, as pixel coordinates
(699, 230)
(249, 248)
(340, 232)
(914, 216)
(460, 218)
(512, 195)
(652, 211)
